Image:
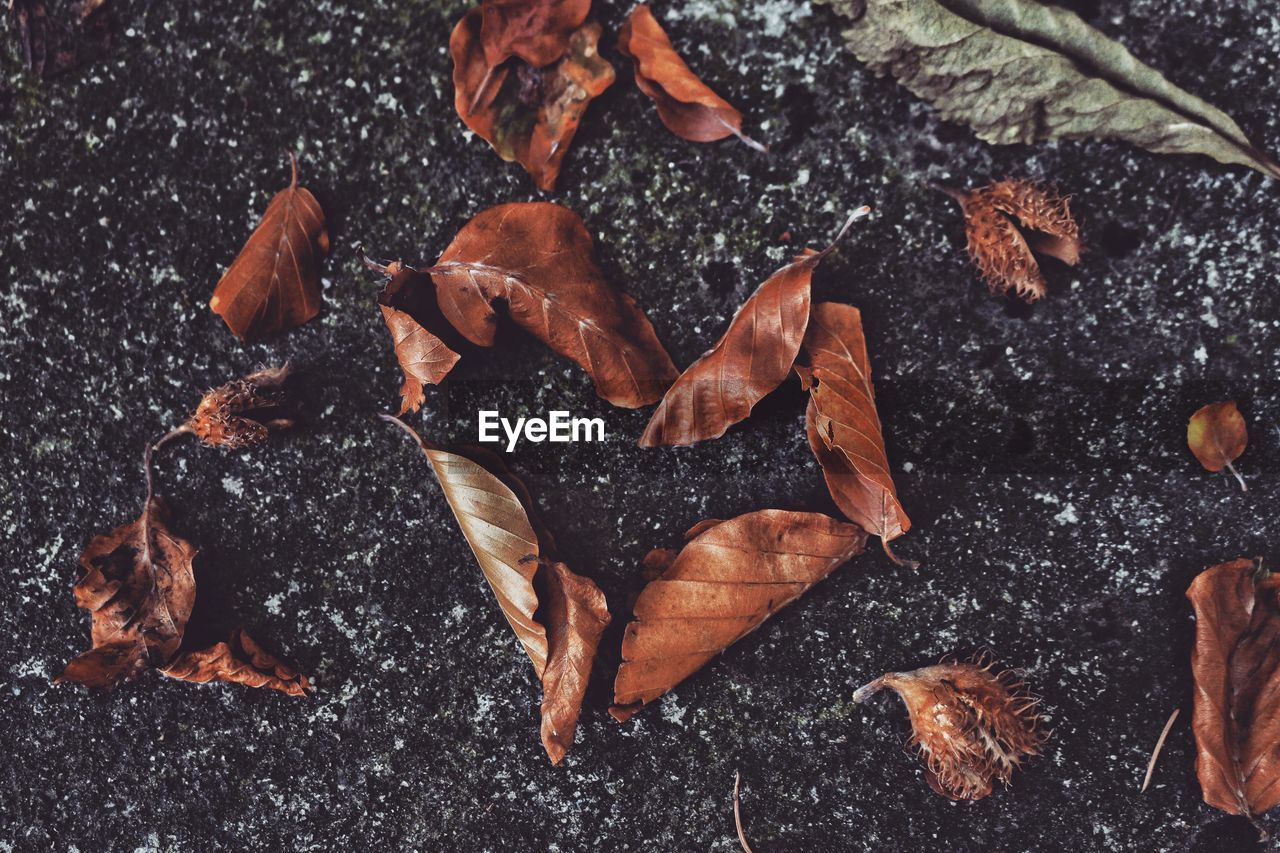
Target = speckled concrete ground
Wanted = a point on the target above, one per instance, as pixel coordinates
(1040, 453)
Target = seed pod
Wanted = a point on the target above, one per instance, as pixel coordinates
(242, 412)
(972, 726)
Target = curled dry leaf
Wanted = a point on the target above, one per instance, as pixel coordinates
(726, 581)
(527, 114)
(843, 426)
(751, 358)
(685, 104)
(537, 259)
(139, 587)
(973, 726)
(1217, 436)
(557, 616)
(1005, 222)
(239, 660)
(1022, 71)
(274, 283)
(1236, 709)
(408, 303)
(242, 412)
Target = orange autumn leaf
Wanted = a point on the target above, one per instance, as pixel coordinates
(537, 260)
(274, 283)
(843, 426)
(238, 660)
(686, 105)
(412, 315)
(971, 725)
(751, 358)
(728, 579)
(1217, 435)
(1006, 222)
(1236, 708)
(558, 616)
(527, 114)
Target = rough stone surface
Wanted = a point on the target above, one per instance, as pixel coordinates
(1041, 453)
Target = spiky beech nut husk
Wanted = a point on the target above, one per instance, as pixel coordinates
(1006, 221)
(242, 412)
(972, 725)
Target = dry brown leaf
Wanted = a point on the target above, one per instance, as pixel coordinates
(537, 259)
(527, 114)
(536, 31)
(496, 523)
(274, 283)
(408, 303)
(686, 105)
(139, 587)
(726, 581)
(239, 660)
(751, 358)
(1217, 436)
(843, 426)
(972, 726)
(1005, 222)
(1236, 710)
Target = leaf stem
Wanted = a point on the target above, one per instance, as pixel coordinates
(910, 564)
(737, 814)
(1155, 753)
(1239, 479)
(156, 445)
(857, 214)
(484, 85)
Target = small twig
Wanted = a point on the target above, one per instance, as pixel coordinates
(1239, 479)
(737, 814)
(1155, 753)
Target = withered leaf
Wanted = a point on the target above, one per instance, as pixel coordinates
(726, 581)
(274, 283)
(843, 425)
(686, 105)
(537, 259)
(408, 303)
(1022, 71)
(751, 358)
(527, 114)
(239, 660)
(973, 726)
(537, 31)
(139, 587)
(1236, 710)
(242, 412)
(1005, 221)
(497, 525)
(1217, 436)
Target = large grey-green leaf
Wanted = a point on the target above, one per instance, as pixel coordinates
(1023, 71)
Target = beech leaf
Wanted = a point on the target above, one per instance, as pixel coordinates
(274, 283)
(408, 303)
(239, 660)
(972, 726)
(557, 616)
(752, 357)
(1217, 436)
(726, 581)
(139, 586)
(1023, 71)
(537, 259)
(843, 426)
(686, 105)
(1005, 221)
(527, 114)
(1236, 710)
